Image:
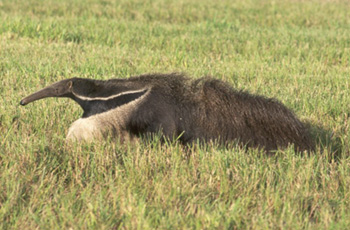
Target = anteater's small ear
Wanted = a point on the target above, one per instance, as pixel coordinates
(70, 85)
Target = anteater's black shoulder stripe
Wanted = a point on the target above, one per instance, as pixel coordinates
(102, 105)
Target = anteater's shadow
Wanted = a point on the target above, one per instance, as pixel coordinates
(326, 141)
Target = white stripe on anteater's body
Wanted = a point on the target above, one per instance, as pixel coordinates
(84, 98)
(113, 121)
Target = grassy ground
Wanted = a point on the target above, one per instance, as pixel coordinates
(296, 51)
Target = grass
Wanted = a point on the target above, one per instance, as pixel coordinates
(296, 51)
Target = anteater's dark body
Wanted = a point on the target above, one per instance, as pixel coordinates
(204, 109)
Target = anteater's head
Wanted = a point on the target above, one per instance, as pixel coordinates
(59, 89)
(94, 96)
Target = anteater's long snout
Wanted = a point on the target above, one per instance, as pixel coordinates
(58, 89)
(44, 93)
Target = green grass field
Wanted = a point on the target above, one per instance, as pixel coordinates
(296, 51)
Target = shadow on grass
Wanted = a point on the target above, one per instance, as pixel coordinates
(328, 142)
